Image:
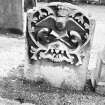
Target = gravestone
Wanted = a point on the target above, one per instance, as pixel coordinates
(11, 18)
(58, 43)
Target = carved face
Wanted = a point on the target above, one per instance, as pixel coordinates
(57, 34)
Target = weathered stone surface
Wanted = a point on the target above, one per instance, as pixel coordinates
(59, 37)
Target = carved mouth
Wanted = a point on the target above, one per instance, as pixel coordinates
(57, 56)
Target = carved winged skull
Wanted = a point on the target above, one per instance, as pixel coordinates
(58, 37)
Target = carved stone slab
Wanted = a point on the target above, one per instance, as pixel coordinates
(58, 41)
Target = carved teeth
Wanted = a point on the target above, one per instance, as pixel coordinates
(60, 56)
(39, 57)
(57, 51)
(57, 55)
(54, 55)
(62, 52)
(51, 50)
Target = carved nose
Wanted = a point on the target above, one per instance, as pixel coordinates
(60, 25)
(59, 45)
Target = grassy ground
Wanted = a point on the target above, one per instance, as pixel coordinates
(12, 51)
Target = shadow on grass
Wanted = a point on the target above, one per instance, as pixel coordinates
(42, 93)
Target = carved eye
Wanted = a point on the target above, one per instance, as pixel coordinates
(74, 39)
(44, 36)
